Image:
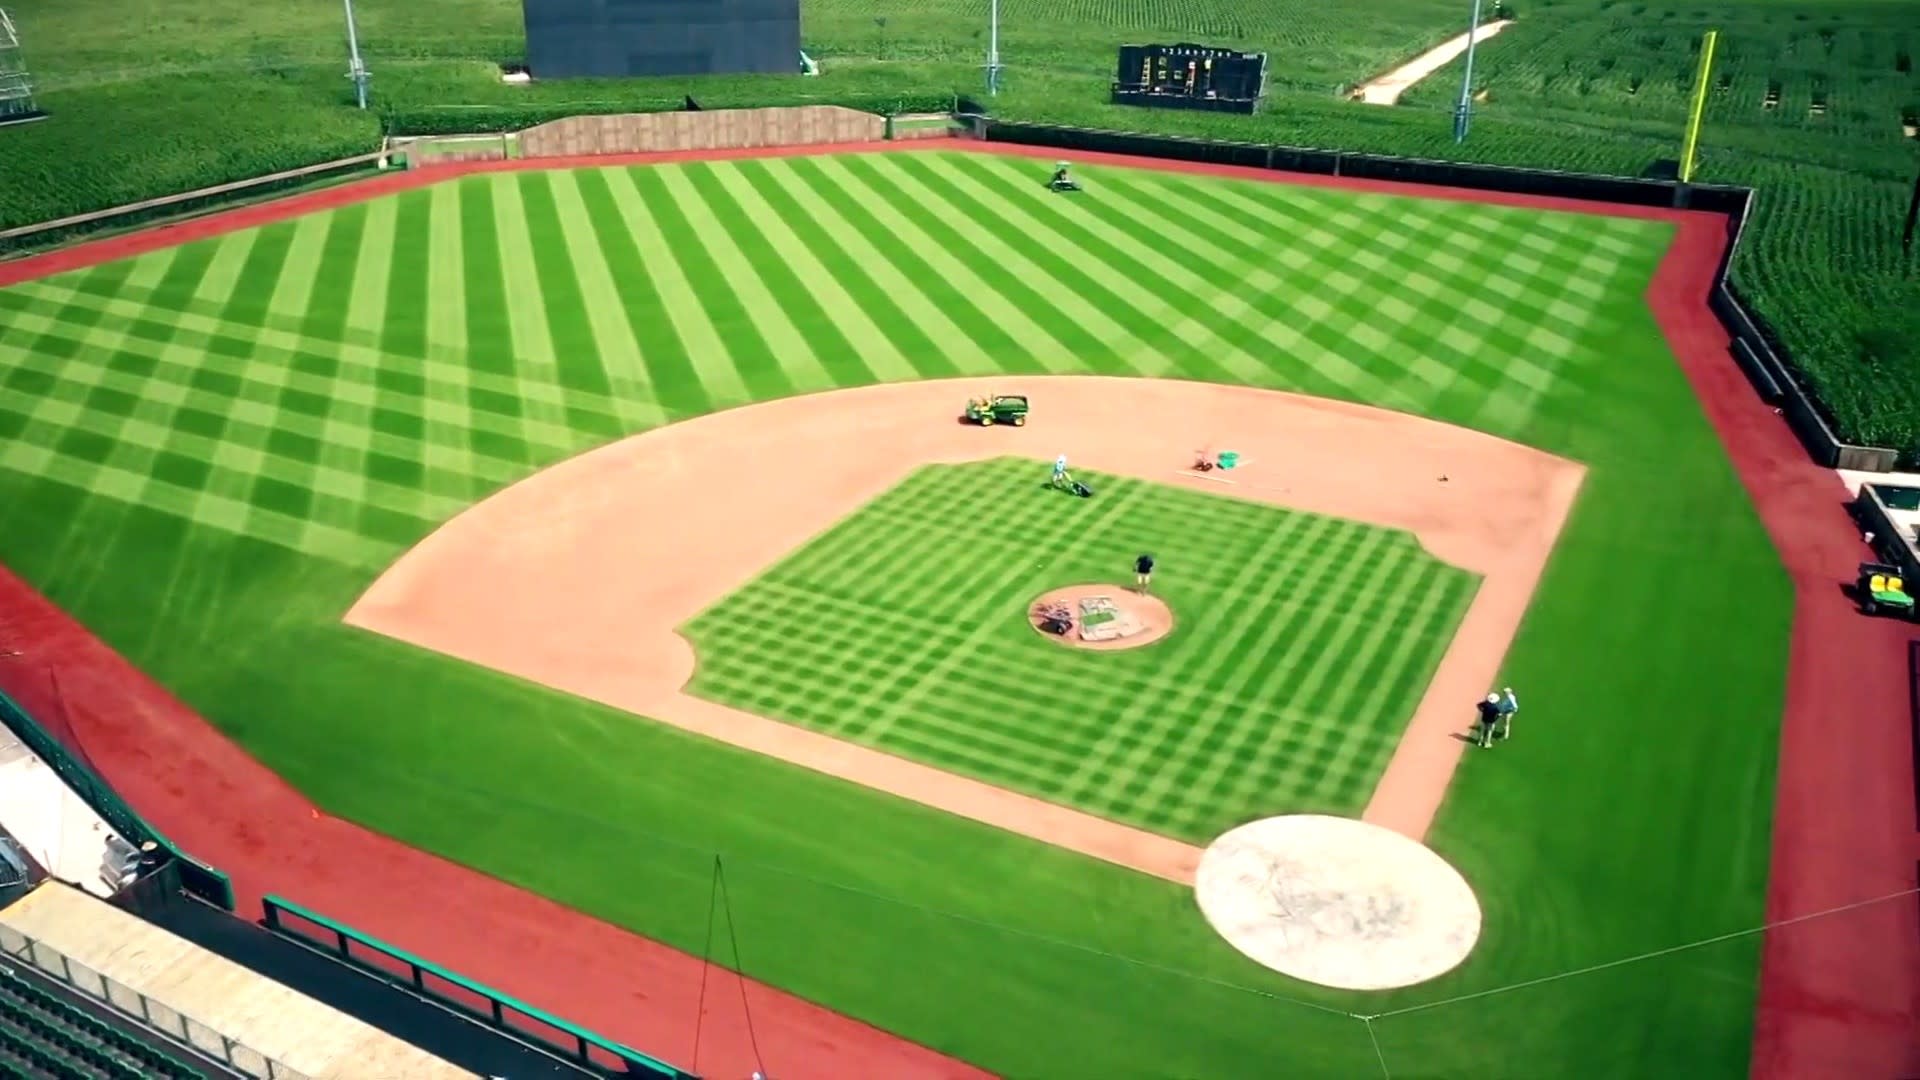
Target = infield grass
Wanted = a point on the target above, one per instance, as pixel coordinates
(1284, 687)
(208, 452)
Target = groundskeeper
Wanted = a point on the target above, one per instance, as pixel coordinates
(1063, 480)
(1496, 717)
(1508, 706)
(1143, 571)
(1489, 709)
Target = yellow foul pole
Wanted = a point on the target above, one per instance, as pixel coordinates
(1699, 106)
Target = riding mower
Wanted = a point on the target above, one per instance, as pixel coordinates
(1879, 588)
(998, 409)
(1062, 181)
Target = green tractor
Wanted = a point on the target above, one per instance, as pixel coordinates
(1879, 588)
(998, 409)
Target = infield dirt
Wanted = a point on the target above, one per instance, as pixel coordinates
(578, 577)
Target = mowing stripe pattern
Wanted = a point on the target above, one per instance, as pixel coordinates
(1302, 645)
(341, 383)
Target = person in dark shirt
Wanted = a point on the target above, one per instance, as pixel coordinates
(1489, 708)
(1143, 572)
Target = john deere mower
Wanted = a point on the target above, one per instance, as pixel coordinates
(998, 409)
(1879, 588)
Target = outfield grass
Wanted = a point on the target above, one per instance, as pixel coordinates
(207, 453)
(1284, 688)
(200, 92)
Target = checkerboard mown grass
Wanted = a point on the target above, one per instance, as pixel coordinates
(1286, 683)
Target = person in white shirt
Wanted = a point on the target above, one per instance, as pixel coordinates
(1508, 705)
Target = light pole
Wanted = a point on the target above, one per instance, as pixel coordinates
(1462, 111)
(993, 47)
(356, 70)
(1913, 217)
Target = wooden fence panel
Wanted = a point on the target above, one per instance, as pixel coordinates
(719, 129)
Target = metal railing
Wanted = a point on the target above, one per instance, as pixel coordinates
(149, 1012)
(456, 992)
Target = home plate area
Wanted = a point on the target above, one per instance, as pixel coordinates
(1337, 902)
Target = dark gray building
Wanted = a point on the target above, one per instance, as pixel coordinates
(616, 38)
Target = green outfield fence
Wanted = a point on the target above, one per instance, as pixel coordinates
(196, 877)
(461, 994)
(1756, 348)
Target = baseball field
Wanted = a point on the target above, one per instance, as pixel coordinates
(448, 411)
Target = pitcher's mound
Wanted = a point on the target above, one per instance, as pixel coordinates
(1337, 902)
(1101, 617)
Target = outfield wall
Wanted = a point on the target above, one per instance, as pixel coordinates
(720, 129)
(1755, 348)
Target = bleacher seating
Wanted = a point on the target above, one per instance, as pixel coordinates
(42, 1035)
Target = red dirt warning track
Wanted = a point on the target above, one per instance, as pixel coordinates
(1839, 998)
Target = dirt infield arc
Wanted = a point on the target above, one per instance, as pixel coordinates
(1842, 1000)
(594, 563)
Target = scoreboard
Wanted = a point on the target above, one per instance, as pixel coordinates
(570, 39)
(1190, 77)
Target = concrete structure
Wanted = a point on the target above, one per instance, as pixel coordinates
(201, 996)
(56, 827)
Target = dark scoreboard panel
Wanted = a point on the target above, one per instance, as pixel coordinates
(1190, 77)
(616, 38)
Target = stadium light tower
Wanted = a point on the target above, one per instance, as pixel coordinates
(1463, 111)
(993, 47)
(16, 86)
(356, 70)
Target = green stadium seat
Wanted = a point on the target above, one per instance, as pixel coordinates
(46, 1036)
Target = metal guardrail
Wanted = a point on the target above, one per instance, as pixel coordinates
(201, 1037)
(499, 1012)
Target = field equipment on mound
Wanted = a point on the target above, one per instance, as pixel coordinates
(1880, 588)
(998, 409)
(1054, 618)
